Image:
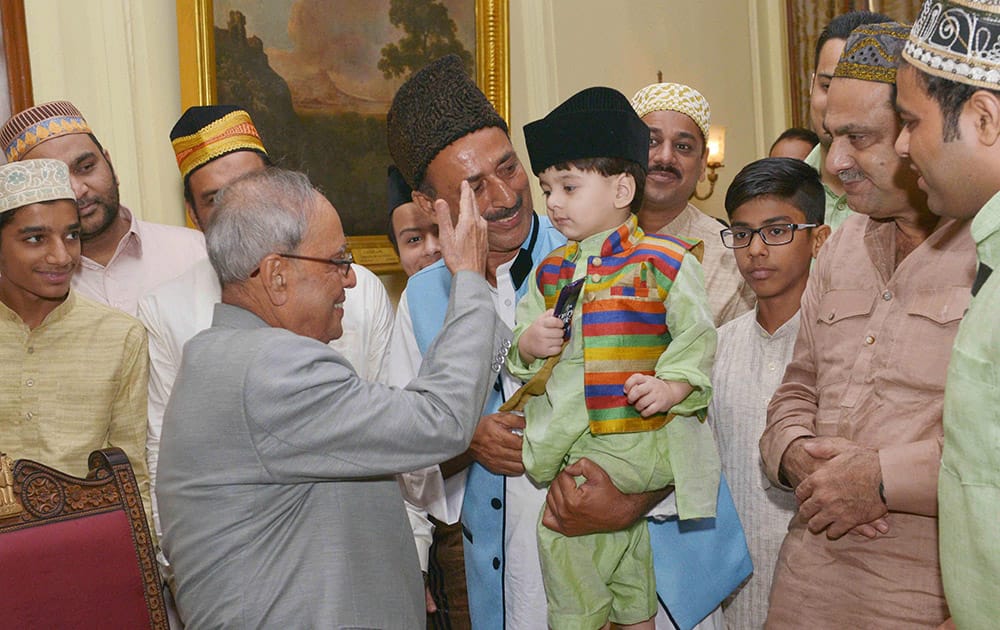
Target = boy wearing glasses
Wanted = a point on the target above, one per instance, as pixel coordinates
(776, 208)
(629, 357)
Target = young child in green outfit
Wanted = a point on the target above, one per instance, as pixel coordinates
(631, 386)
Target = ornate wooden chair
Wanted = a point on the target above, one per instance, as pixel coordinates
(76, 552)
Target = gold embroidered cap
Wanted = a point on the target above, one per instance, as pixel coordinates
(33, 181)
(674, 97)
(206, 132)
(958, 40)
(872, 52)
(35, 125)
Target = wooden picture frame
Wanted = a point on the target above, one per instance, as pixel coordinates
(15, 44)
(197, 56)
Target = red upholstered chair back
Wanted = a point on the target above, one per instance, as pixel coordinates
(77, 552)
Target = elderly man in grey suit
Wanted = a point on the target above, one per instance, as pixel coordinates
(276, 496)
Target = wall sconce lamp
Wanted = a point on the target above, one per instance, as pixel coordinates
(716, 158)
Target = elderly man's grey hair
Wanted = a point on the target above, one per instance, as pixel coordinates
(260, 213)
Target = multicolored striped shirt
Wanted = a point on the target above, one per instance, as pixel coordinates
(624, 322)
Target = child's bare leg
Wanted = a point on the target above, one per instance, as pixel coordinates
(649, 624)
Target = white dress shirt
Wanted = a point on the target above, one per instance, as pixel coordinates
(147, 256)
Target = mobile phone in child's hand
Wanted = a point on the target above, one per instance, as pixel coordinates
(566, 303)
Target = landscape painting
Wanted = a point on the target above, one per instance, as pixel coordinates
(318, 76)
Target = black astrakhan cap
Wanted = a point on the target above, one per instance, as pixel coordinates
(436, 106)
(597, 122)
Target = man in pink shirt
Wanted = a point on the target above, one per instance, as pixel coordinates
(855, 426)
(122, 256)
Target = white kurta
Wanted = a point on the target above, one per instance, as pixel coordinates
(524, 593)
(749, 366)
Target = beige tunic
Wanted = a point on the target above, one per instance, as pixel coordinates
(869, 365)
(728, 295)
(74, 384)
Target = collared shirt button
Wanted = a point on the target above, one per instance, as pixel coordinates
(595, 277)
(596, 261)
(771, 366)
(28, 415)
(30, 382)
(496, 503)
(870, 339)
(887, 296)
(496, 563)
(506, 302)
(830, 316)
(31, 349)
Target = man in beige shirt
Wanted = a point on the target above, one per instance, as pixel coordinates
(72, 372)
(678, 117)
(855, 427)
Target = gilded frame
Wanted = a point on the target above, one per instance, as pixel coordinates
(195, 38)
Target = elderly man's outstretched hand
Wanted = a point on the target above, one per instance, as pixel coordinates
(463, 244)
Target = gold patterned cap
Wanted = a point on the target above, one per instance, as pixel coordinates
(674, 97)
(37, 124)
(872, 52)
(206, 132)
(958, 40)
(33, 181)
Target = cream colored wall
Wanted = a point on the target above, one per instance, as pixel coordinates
(117, 61)
(730, 50)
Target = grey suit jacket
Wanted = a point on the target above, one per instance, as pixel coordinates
(275, 490)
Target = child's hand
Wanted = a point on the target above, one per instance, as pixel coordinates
(543, 338)
(650, 395)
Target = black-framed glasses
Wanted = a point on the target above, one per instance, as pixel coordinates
(776, 234)
(344, 264)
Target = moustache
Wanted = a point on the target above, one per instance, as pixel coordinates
(505, 213)
(665, 168)
(850, 175)
(63, 269)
